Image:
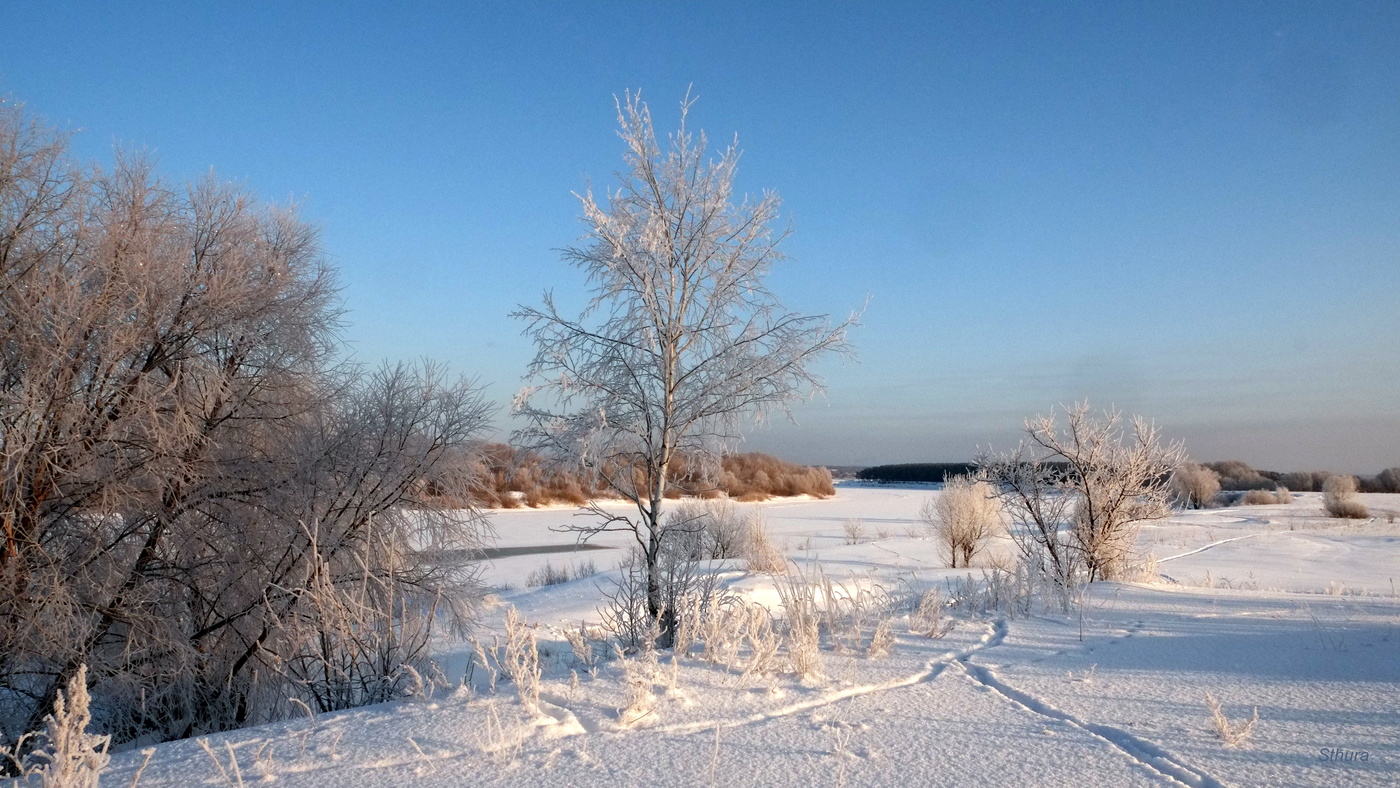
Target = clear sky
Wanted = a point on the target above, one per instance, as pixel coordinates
(1190, 211)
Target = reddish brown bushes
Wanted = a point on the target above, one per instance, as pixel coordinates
(503, 477)
(749, 477)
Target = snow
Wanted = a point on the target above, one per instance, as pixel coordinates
(1270, 607)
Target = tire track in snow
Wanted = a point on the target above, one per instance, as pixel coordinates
(1145, 753)
(994, 636)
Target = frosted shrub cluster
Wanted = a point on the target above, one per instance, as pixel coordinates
(200, 501)
(1195, 486)
(1339, 498)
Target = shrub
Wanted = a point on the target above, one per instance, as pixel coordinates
(1114, 478)
(499, 476)
(711, 530)
(1257, 498)
(963, 517)
(761, 476)
(1339, 498)
(726, 530)
(1195, 486)
(854, 531)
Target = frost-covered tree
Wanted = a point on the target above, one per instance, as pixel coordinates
(1080, 492)
(681, 340)
(198, 500)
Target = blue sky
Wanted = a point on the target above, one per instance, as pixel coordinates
(1190, 211)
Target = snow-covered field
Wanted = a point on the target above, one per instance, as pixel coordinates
(1268, 607)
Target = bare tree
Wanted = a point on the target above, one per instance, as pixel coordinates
(1033, 497)
(1093, 476)
(681, 339)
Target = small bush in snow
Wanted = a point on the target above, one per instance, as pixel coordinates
(712, 529)
(1339, 498)
(927, 619)
(548, 575)
(854, 531)
(1098, 476)
(726, 530)
(963, 517)
(1257, 498)
(1195, 486)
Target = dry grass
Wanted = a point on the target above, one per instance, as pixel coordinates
(1230, 734)
(881, 638)
(804, 617)
(762, 554)
(521, 661)
(927, 619)
(551, 575)
(68, 756)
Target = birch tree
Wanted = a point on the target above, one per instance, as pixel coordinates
(681, 340)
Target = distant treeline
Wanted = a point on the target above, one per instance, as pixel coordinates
(916, 472)
(499, 476)
(1238, 476)
(1234, 476)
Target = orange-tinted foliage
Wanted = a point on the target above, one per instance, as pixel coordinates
(498, 476)
(754, 477)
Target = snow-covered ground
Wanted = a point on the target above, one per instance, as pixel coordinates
(1270, 607)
